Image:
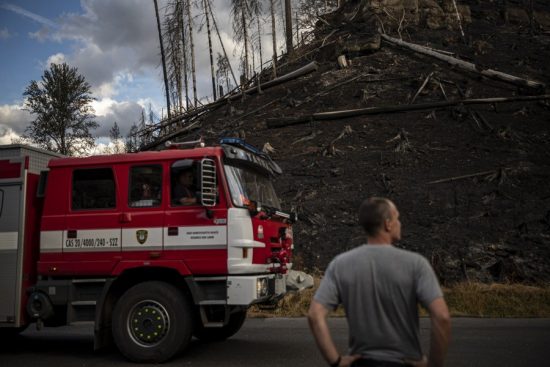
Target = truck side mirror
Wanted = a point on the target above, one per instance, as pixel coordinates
(209, 185)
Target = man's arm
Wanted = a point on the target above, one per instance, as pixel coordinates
(441, 332)
(317, 317)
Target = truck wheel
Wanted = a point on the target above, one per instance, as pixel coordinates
(152, 321)
(236, 321)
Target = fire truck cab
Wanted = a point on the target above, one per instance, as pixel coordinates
(153, 247)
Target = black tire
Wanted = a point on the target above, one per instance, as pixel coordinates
(236, 321)
(152, 322)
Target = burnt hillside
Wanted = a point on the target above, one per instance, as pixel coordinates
(471, 181)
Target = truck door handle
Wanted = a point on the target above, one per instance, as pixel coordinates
(125, 217)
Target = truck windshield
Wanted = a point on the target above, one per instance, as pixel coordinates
(246, 184)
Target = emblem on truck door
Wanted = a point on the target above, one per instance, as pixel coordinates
(141, 236)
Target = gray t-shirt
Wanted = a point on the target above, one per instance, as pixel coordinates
(380, 287)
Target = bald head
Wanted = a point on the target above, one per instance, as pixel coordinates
(373, 214)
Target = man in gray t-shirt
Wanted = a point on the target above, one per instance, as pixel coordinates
(380, 287)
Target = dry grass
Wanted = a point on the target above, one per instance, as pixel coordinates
(498, 300)
(464, 299)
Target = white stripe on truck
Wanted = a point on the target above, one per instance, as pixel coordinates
(8, 241)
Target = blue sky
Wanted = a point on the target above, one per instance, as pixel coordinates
(26, 56)
(114, 45)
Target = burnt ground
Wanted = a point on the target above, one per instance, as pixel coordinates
(493, 226)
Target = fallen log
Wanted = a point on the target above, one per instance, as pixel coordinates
(463, 177)
(193, 126)
(309, 68)
(468, 66)
(421, 87)
(335, 115)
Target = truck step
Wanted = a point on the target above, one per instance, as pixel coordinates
(99, 280)
(83, 303)
(213, 324)
(212, 302)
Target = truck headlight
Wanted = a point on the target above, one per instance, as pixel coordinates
(261, 287)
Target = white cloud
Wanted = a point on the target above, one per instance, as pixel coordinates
(114, 38)
(7, 135)
(14, 118)
(57, 58)
(115, 47)
(108, 111)
(111, 38)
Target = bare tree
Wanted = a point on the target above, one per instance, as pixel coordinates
(192, 49)
(241, 17)
(207, 17)
(288, 26)
(256, 11)
(273, 36)
(163, 58)
(223, 72)
(174, 53)
(131, 143)
(116, 139)
(185, 51)
(221, 42)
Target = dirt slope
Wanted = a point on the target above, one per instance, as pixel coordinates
(493, 226)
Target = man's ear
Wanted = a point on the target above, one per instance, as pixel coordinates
(387, 225)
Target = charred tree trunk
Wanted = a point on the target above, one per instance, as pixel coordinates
(192, 48)
(273, 37)
(184, 50)
(221, 43)
(288, 23)
(245, 37)
(532, 16)
(259, 40)
(163, 59)
(205, 4)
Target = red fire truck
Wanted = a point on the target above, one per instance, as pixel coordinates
(152, 247)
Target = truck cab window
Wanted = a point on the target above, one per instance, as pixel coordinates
(145, 186)
(93, 189)
(184, 183)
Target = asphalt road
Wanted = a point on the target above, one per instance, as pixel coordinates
(287, 342)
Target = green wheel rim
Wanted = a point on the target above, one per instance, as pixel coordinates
(148, 323)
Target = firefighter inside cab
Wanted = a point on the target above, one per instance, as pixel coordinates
(152, 247)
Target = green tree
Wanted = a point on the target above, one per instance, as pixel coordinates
(64, 117)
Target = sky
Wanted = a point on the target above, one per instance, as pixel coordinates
(114, 45)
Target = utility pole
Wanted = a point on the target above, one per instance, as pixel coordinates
(163, 59)
(288, 16)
